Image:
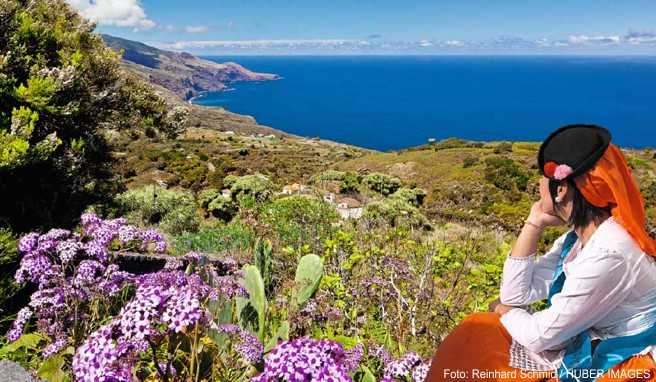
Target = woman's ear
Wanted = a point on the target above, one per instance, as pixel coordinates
(561, 193)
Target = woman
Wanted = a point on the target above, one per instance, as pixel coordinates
(599, 279)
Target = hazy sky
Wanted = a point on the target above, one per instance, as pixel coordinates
(461, 25)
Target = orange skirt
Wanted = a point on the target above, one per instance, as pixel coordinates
(478, 349)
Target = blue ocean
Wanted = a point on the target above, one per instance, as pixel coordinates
(392, 102)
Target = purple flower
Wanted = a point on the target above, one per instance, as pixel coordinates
(152, 236)
(55, 347)
(248, 346)
(101, 358)
(28, 242)
(182, 310)
(17, 327)
(305, 359)
(173, 264)
(420, 372)
(96, 250)
(408, 366)
(128, 233)
(68, 250)
(353, 357)
(88, 273)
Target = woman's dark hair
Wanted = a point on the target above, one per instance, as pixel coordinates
(583, 212)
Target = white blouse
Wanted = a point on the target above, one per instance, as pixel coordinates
(610, 288)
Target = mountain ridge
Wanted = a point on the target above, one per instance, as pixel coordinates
(182, 73)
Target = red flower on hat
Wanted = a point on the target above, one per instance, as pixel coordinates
(550, 169)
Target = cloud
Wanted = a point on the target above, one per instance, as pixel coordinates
(454, 43)
(121, 13)
(196, 29)
(640, 37)
(603, 40)
(271, 44)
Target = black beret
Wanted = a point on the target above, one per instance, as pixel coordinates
(578, 146)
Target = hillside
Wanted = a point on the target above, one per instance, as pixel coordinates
(489, 184)
(182, 73)
(216, 142)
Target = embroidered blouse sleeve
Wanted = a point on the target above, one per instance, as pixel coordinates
(592, 289)
(525, 280)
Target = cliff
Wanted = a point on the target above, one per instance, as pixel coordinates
(182, 73)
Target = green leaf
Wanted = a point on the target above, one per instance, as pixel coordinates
(368, 376)
(308, 277)
(27, 341)
(52, 369)
(282, 333)
(253, 283)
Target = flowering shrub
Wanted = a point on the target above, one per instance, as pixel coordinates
(72, 270)
(79, 286)
(306, 359)
(187, 321)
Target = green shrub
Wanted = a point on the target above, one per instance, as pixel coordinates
(649, 194)
(453, 143)
(8, 265)
(61, 89)
(469, 161)
(414, 196)
(381, 183)
(506, 174)
(297, 220)
(206, 197)
(222, 207)
(183, 218)
(174, 210)
(348, 180)
(236, 236)
(395, 212)
(503, 147)
(258, 186)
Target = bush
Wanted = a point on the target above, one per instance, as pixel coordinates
(503, 147)
(348, 180)
(506, 174)
(454, 143)
(381, 183)
(8, 265)
(296, 220)
(414, 196)
(469, 161)
(60, 89)
(222, 207)
(395, 212)
(174, 210)
(217, 238)
(649, 194)
(258, 186)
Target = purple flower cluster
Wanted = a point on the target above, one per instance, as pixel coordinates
(165, 302)
(19, 324)
(100, 358)
(305, 359)
(408, 366)
(354, 357)
(247, 346)
(71, 269)
(104, 232)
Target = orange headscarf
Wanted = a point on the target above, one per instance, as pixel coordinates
(610, 184)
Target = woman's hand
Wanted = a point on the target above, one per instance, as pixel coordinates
(497, 307)
(494, 304)
(502, 309)
(543, 219)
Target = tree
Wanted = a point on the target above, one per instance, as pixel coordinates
(61, 90)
